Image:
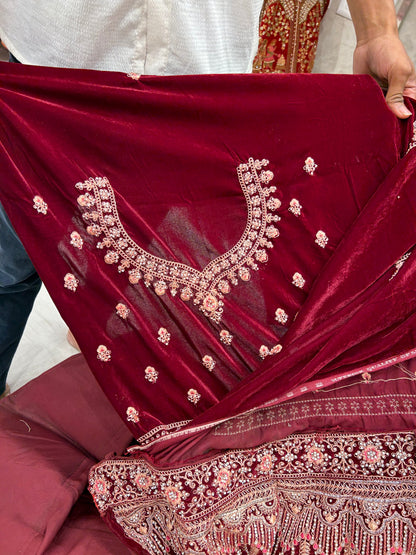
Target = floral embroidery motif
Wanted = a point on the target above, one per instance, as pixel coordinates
(206, 288)
(310, 166)
(297, 495)
(103, 353)
(208, 362)
(193, 396)
(321, 239)
(40, 205)
(399, 264)
(173, 495)
(412, 143)
(295, 207)
(366, 376)
(122, 311)
(132, 415)
(151, 374)
(163, 336)
(76, 240)
(71, 282)
(281, 316)
(223, 479)
(265, 351)
(298, 280)
(226, 337)
(133, 75)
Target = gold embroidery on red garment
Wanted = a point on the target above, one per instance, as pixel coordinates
(207, 287)
(151, 374)
(288, 35)
(337, 493)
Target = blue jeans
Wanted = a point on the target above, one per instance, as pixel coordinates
(19, 285)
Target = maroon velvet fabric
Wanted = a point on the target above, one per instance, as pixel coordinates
(255, 241)
(170, 148)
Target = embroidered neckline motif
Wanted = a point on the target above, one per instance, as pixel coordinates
(207, 287)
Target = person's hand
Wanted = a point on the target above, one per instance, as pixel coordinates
(385, 58)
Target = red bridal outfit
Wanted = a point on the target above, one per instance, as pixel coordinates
(234, 255)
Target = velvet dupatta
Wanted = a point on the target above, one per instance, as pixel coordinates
(219, 246)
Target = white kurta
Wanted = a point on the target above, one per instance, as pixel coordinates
(160, 37)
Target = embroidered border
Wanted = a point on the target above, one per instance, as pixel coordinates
(207, 287)
(330, 491)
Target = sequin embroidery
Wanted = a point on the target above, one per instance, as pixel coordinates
(208, 362)
(40, 205)
(295, 207)
(122, 310)
(226, 337)
(321, 239)
(298, 280)
(281, 316)
(132, 415)
(71, 282)
(206, 288)
(163, 336)
(151, 374)
(103, 353)
(310, 166)
(76, 240)
(193, 396)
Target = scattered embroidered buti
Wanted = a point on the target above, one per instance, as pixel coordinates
(298, 280)
(208, 362)
(310, 166)
(321, 239)
(226, 337)
(151, 374)
(71, 282)
(132, 415)
(207, 287)
(281, 316)
(40, 205)
(103, 353)
(76, 240)
(265, 351)
(193, 396)
(122, 310)
(295, 207)
(163, 336)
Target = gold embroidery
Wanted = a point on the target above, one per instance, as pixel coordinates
(207, 287)
(328, 492)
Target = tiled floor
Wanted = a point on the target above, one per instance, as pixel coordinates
(44, 342)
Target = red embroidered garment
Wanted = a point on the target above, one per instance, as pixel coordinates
(289, 33)
(217, 256)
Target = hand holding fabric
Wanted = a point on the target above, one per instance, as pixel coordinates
(380, 52)
(385, 58)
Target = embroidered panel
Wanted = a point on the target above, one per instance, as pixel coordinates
(206, 287)
(288, 35)
(340, 406)
(331, 493)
